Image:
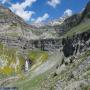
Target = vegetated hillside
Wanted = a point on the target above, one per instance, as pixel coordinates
(83, 23)
(81, 20)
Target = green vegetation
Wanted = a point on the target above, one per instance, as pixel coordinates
(38, 56)
(15, 34)
(86, 87)
(78, 29)
(11, 62)
(13, 25)
(88, 15)
(33, 84)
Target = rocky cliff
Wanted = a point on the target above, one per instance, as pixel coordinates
(76, 44)
(14, 26)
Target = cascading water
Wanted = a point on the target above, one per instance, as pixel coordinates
(26, 65)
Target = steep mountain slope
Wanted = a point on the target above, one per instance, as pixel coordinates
(13, 25)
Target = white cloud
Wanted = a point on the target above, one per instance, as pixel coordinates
(19, 9)
(43, 18)
(24, 4)
(68, 13)
(53, 3)
(26, 15)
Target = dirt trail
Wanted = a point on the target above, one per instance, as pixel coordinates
(53, 60)
(2, 82)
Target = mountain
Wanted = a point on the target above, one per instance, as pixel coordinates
(54, 56)
(62, 26)
(13, 25)
(76, 19)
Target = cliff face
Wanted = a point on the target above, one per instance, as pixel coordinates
(47, 44)
(76, 44)
(86, 12)
(71, 22)
(79, 42)
(14, 26)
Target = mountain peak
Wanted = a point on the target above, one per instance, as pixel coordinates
(88, 7)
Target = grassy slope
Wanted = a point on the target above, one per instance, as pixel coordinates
(78, 29)
(9, 56)
(34, 55)
(35, 83)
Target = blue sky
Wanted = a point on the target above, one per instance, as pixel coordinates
(41, 10)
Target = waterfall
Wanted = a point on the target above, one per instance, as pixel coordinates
(26, 65)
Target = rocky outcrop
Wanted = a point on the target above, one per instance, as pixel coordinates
(76, 44)
(86, 12)
(47, 44)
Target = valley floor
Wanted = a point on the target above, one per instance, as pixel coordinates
(52, 75)
(33, 77)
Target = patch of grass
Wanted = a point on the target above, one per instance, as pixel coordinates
(15, 61)
(86, 87)
(11, 62)
(87, 53)
(37, 56)
(15, 34)
(30, 84)
(13, 25)
(87, 75)
(7, 70)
